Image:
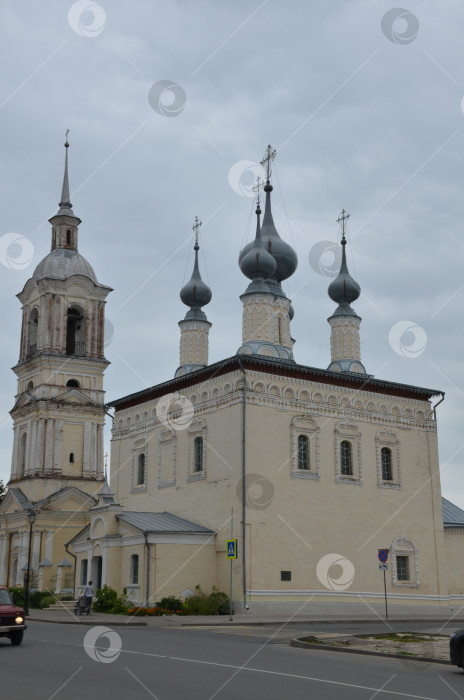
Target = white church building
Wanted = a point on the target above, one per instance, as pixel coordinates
(311, 470)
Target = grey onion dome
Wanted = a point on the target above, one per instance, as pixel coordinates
(195, 293)
(61, 264)
(283, 254)
(257, 264)
(344, 289)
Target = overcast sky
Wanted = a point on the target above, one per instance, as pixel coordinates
(170, 106)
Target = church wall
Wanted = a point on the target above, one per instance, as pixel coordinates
(296, 519)
(454, 549)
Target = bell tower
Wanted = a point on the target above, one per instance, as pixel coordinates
(59, 408)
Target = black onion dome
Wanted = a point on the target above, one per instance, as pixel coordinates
(195, 293)
(257, 263)
(344, 289)
(283, 254)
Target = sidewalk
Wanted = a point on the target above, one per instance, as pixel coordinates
(324, 613)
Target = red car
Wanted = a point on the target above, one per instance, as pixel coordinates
(11, 618)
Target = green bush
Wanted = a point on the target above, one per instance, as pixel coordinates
(171, 603)
(200, 603)
(36, 598)
(121, 605)
(17, 595)
(105, 599)
(46, 601)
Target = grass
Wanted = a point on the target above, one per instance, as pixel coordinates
(406, 638)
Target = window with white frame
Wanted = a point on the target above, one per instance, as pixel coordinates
(303, 452)
(196, 436)
(346, 458)
(139, 465)
(405, 563)
(198, 454)
(304, 448)
(388, 459)
(141, 469)
(134, 569)
(348, 453)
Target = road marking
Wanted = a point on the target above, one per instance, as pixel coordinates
(261, 670)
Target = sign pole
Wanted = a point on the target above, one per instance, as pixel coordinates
(385, 590)
(231, 537)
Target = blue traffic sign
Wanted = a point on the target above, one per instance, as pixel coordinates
(383, 555)
(231, 549)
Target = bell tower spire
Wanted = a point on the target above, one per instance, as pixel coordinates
(65, 223)
(345, 343)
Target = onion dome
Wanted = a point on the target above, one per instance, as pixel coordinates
(196, 293)
(257, 264)
(291, 312)
(283, 254)
(344, 289)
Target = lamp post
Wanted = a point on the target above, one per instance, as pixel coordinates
(31, 516)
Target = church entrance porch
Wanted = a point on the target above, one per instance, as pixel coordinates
(96, 568)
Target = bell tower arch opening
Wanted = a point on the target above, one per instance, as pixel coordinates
(32, 332)
(75, 331)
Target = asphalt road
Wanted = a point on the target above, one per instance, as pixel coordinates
(74, 662)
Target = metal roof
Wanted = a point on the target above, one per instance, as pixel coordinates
(166, 523)
(452, 515)
(279, 367)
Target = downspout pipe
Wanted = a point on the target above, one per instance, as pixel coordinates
(245, 605)
(147, 578)
(434, 408)
(75, 564)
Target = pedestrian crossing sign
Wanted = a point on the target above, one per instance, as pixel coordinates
(231, 549)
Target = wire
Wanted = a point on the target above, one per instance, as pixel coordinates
(247, 229)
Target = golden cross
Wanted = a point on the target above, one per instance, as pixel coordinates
(269, 156)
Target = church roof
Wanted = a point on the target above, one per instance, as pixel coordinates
(453, 516)
(285, 368)
(62, 263)
(162, 523)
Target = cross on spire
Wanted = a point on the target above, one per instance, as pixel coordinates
(196, 229)
(257, 187)
(269, 156)
(66, 145)
(342, 219)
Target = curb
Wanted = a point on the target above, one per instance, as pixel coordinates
(264, 623)
(89, 623)
(367, 652)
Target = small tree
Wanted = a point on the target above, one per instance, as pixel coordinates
(3, 490)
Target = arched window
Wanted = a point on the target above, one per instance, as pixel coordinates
(141, 469)
(198, 454)
(387, 470)
(22, 454)
(75, 332)
(134, 572)
(303, 452)
(68, 237)
(346, 458)
(32, 328)
(30, 386)
(279, 327)
(72, 382)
